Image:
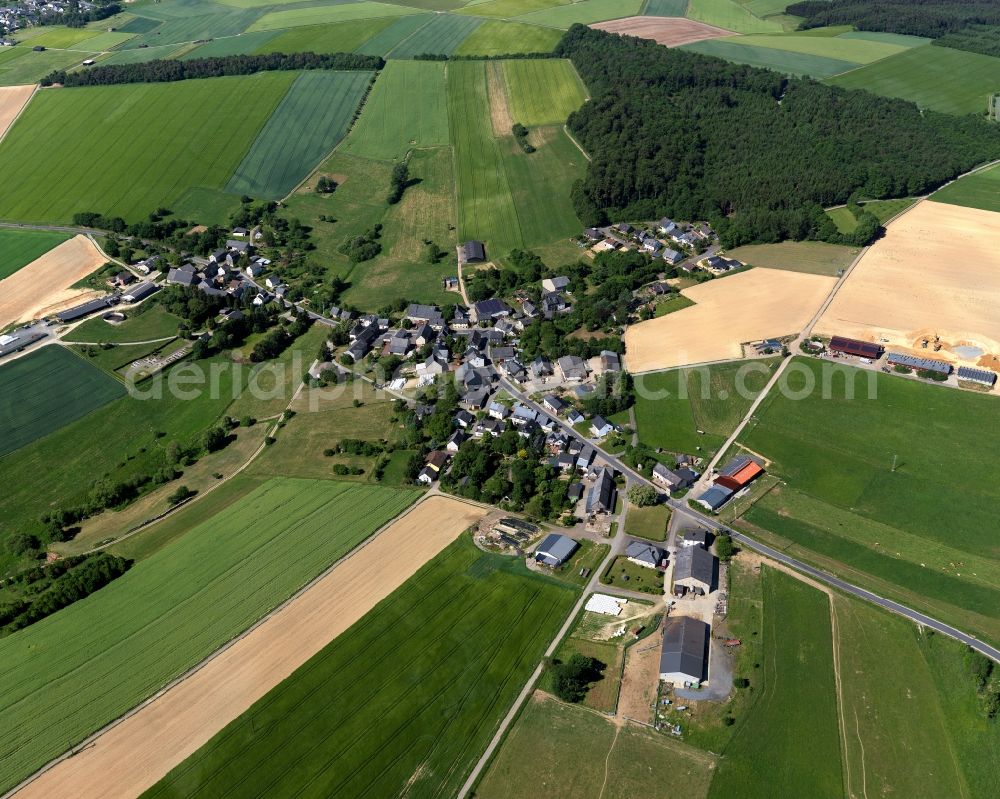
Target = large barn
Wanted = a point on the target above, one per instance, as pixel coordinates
(685, 651)
(851, 346)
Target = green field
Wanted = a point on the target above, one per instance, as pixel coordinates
(937, 78)
(981, 190)
(843, 219)
(469, 627)
(542, 92)
(650, 522)
(846, 503)
(407, 108)
(494, 37)
(20, 247)
(46, 390)
(309, 121)
(78, 149)
(812, 257)
(796, 702)
(666, 8)
(585, 12)
(884, 210)
(342, 37)
(196, 28)
(785, 61)
(704, 398)
(143, 54)
(505, 9)
(859, 51)
(233, 45)
(573, 752)
(62, 38)
(887, 38)
(441, 36)
(150, 323)
(730, 15)
(319, 15)
(399, 29)
(73, 672)
(28, 66)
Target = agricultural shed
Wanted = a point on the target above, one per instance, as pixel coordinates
(603, 493)
(981, 376)
(694, 568)
(473, 252)
(684, 652)
(555, 550)
(715, 497)
(608, 605)
(140, 292)
(85, 309)
(924, 364)
(851, 346)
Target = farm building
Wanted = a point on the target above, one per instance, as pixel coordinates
(921, 364)
(715, 497)
(981, 376)
(643, 554)
(140, 292)
(608, 605)
(695, 538)
(685, 651)
(473, 252)
(572, 367)
(551, 284)
(603, 494)
(851, 346)
(739, 473)
(487, 310)
(673, 480)
(694, 569)
(555, 550)
(85, 309)
(14, 343)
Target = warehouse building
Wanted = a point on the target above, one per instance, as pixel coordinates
(851, 346)
(555, 550)
(684, 655)
(982, 377)
(80, 311)
(921, 364)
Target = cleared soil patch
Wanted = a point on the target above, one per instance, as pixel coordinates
(750, 306)
(43, 286)
(669, 31)
(640, 680)
(499, 107)
(907, 286)
(12, 100)
(131, 757)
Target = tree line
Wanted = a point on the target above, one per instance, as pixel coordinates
(164, 70)
(756, 153)
(983, 39)
(930, 18)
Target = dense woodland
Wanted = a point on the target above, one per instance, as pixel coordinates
(757, 153)
(166, 70)
(983, 39)
(931, 18)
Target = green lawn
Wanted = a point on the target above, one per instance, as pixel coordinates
(573, 752)
(542, 92)
(309, 121)
(675, 302)
(318, 15)
(78, 149)
(407, 108)
(981, 190)
(601, 695)
(47, 390)
(441, 36)
(784, 61)
(584, 12)
(495, 37)
(730, 15)
(812, 257)
(20, 247)
(341, 37)
(706, 398)
(796, 702)
(622, 573)
(148, 323)
(405, 700)
(936, 78)
(73, 672)
(650, 522)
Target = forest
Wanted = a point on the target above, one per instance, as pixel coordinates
(756, 153)
(931, 18)
(983, 39)
(167, 70)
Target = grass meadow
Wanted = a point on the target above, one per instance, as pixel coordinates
(79, 149)
(47, 390)
(343, 37)
(20, 65)
(505, 9)
(495, 37)
(73, 672)
(812, 257)
(858, 51)
(197, 28)
(309, 122)
(20, 247)
(730, 15)
(232, 45)
(796, 702)
(785, 61)
(542, 91)
(406, 108)
(145, 324)
(705, 399)
(936, 78)
(981, 190)
(665, 8)
(441, 36)
(320, 15)
(404, 701)
(399, 29)
(650, 522)
(584, 12)
(143, 54)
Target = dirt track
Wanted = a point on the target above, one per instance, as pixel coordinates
(42, 287)
(12, 100)
(669, 31)
(753, 305)
(132, 756)
(935, 273)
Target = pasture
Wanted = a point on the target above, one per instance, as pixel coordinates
(23, 66)
(494, 37)
(796, 702)
(62, 38)
(309, 122)
(505, 9)
(20, 247)
(979, 190)
(79, 149)
(342, 37)
(441, 36)
(319, 15)
(936, 78)
(469, 626)
(46, 390)
(748, 306)
(915, 252)
(812, 257)
(140, 55)
(196, 28)
(233, 45)
(573, 752)
(671, 407)
(665, 8)
(149, 322)
(542, 91)
(784, 61)
(73, 672)
(730, 15)
(858, 51)
(399, 29)
(406, 108)
(584, 12)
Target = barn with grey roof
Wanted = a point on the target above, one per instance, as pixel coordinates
(684, 653)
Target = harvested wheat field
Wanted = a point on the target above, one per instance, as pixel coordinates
(12, 100)
(43, 286)
(730, 311)
(131, 757)
(936, 272)
(669, 31)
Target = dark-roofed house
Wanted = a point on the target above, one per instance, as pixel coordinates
(600, 427)
(572, 367)
(429, 314)
(183, 276)
(553, 403)
(685, 651)
(695, 538)
(694, 569)
(643, 554)
(555, 550)
(981, 376)
(603, 494)
(850, 346)
(473, 252)
(672, 480)
(487, 310)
